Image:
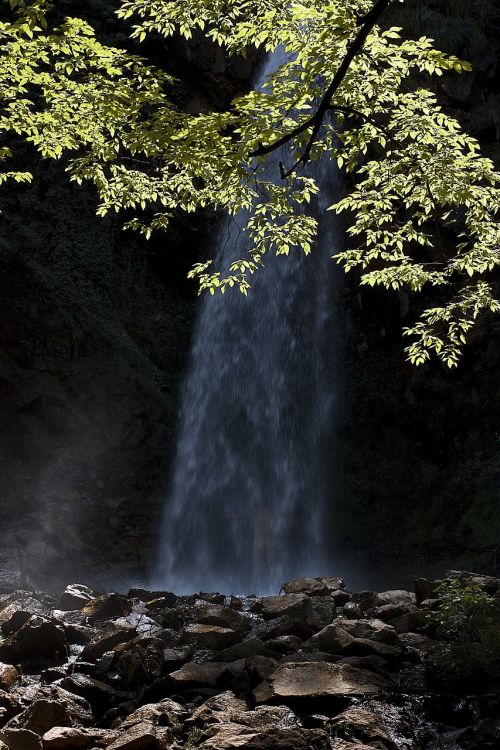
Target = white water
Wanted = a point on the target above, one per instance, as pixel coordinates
(251, 492)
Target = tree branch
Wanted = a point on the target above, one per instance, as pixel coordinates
(315, 122)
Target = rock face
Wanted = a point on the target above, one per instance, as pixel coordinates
(156, 672)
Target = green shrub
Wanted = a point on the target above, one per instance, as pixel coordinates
(467, 626)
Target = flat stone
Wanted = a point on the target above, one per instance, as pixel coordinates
(319, 680)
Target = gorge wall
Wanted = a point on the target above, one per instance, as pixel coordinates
(95, 332)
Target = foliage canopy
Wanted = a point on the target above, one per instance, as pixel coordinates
(418, 179)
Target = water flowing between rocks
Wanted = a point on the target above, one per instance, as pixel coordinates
(252, 485)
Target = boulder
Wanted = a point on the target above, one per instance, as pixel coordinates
(317, 680)
(362, 725)
(173, 658)
(215, 614)
(146, 596)
(164, 713)
(208, 673)
(110, 636)
(490, 584)
(285, 644)
(99, 695)
(411, 622)
(108, 607)
(65, 738)
(425, 589)
(8, 676)
(332, 639)
(250, 647)
(370, 629)
(38, 640)
(18, 612)
(275, 628)
(42, 715)
(212, 637)
(231, 736)
(75, 597)
(323, 611)
(20, 739)
(139, 737)
(314, 586)
(295, 606)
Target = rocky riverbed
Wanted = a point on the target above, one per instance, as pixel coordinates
(315, 667)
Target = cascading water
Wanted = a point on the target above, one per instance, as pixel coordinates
(250, 497)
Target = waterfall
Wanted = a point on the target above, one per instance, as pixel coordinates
(251, 489)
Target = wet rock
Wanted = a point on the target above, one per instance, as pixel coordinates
(212, 637)
(351, 611)
(372, 630)
(323, 611)
(75, 597)
(20, 739)
(38, 640)
(8, 676)
(372, 600)
(65, 738)
(314, 586)
(319, 680)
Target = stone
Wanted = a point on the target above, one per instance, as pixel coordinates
(363, 725)
(20, 739)
(490, 584)
(370, 629)
(411, 622)
(173, 658)
(65, 738)
(250, 647)
(333, 639)
(17, 613)
(38, 639)
(285, 644)
(323, 611)
(295, 606)
(207, 673)
(110, 636)
(99, 695)
(215, 614)
(425, 589)
(260, 667)
(371, 600)
(312, 586)
(8, 676)
(108, 607)
(139, 737)
(212, 637)
(165, 713)
(75, 597)
(319, 680)
(275, 628)
(221, 708)
(42, 715)
(232, 736)
(167, 598)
